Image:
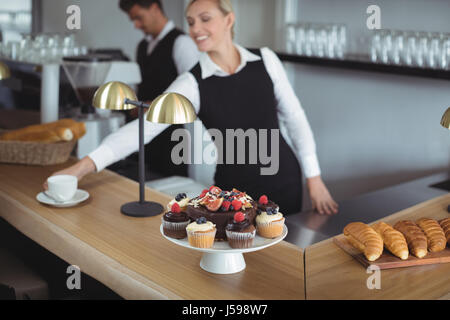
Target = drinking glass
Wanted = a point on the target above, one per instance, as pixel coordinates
(310, 45)
(342, 41)
(332, 31)
(375, 49)
(397, 46)
(300, 39)
(290, 38)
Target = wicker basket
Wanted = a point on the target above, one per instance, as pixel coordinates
(35, 153)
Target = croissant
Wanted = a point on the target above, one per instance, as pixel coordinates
(416, 239)
(365, 239)
(393, 240)
(445, 224)
(435, 234)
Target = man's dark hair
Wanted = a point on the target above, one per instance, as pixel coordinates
(126, 5)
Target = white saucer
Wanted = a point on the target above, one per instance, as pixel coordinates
(79, 197)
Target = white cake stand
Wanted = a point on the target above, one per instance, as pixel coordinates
(221, 258)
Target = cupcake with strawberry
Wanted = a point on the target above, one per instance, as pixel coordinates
(269, 221)
(175, 222)
(240, 232)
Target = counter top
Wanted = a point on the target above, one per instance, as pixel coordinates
(307, 228)
(129, 255)
(331, 273)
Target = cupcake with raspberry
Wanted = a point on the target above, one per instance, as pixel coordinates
(181, 199)
(270, 223)
(201, 233)
(175, 222)
(240, 232)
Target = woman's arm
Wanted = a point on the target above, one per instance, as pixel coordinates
(292, 115)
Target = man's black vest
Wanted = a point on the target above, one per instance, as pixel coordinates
(158, 71)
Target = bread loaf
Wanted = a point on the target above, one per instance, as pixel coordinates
(435, 234)
(445, 224)
(62, 130)
(365, 239)
(416, 239)
(393, 240)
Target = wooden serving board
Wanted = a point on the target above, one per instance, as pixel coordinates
(388, 260)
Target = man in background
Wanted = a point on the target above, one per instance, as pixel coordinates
(163, 54)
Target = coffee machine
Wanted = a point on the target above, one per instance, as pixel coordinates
(85, 74)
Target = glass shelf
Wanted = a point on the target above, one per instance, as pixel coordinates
(354, 62)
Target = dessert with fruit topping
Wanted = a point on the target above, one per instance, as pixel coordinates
(175, 222)
(240, 232)
(270, 222)
(219, 207)
(201, 233)
(181, 199)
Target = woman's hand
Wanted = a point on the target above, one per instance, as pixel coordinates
(79, 170)
(320, 197)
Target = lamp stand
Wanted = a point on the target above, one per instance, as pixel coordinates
(142, 208)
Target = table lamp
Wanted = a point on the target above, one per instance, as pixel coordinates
(4, 71)
(168, 108)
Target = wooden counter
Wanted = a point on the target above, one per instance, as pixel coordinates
(333, 274)
(129, 255)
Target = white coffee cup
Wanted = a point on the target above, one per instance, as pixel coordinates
(62, 187)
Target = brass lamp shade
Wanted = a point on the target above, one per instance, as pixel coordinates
(112, 95)
(171, 108)
(4, 71)
(446, 119)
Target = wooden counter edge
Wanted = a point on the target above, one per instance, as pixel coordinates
(121, 280)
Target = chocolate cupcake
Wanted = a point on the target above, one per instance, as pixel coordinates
(175, 222)
(240, 232)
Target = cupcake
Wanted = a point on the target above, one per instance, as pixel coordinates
(270, 223)
(181, 199)
(201, 233)
(175, 222)
(240, 232)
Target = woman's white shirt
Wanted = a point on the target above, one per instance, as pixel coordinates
(125, 141)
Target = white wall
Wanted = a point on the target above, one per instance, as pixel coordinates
(103, 24)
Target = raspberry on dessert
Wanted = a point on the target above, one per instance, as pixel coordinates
(175, 208)
(237, 205)
(239, 217)
(263, 200)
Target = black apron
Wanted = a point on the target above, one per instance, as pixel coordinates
(158, 71)
(246, 100)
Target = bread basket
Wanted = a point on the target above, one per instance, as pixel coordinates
(35, 153)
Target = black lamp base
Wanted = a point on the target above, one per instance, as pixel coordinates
(142, 210)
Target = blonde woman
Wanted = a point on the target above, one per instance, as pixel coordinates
(235, 88)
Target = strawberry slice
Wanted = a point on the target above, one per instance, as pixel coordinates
(215, 205)
(204, 192)
(215, 190)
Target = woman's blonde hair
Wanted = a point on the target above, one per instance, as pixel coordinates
(224, 5)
